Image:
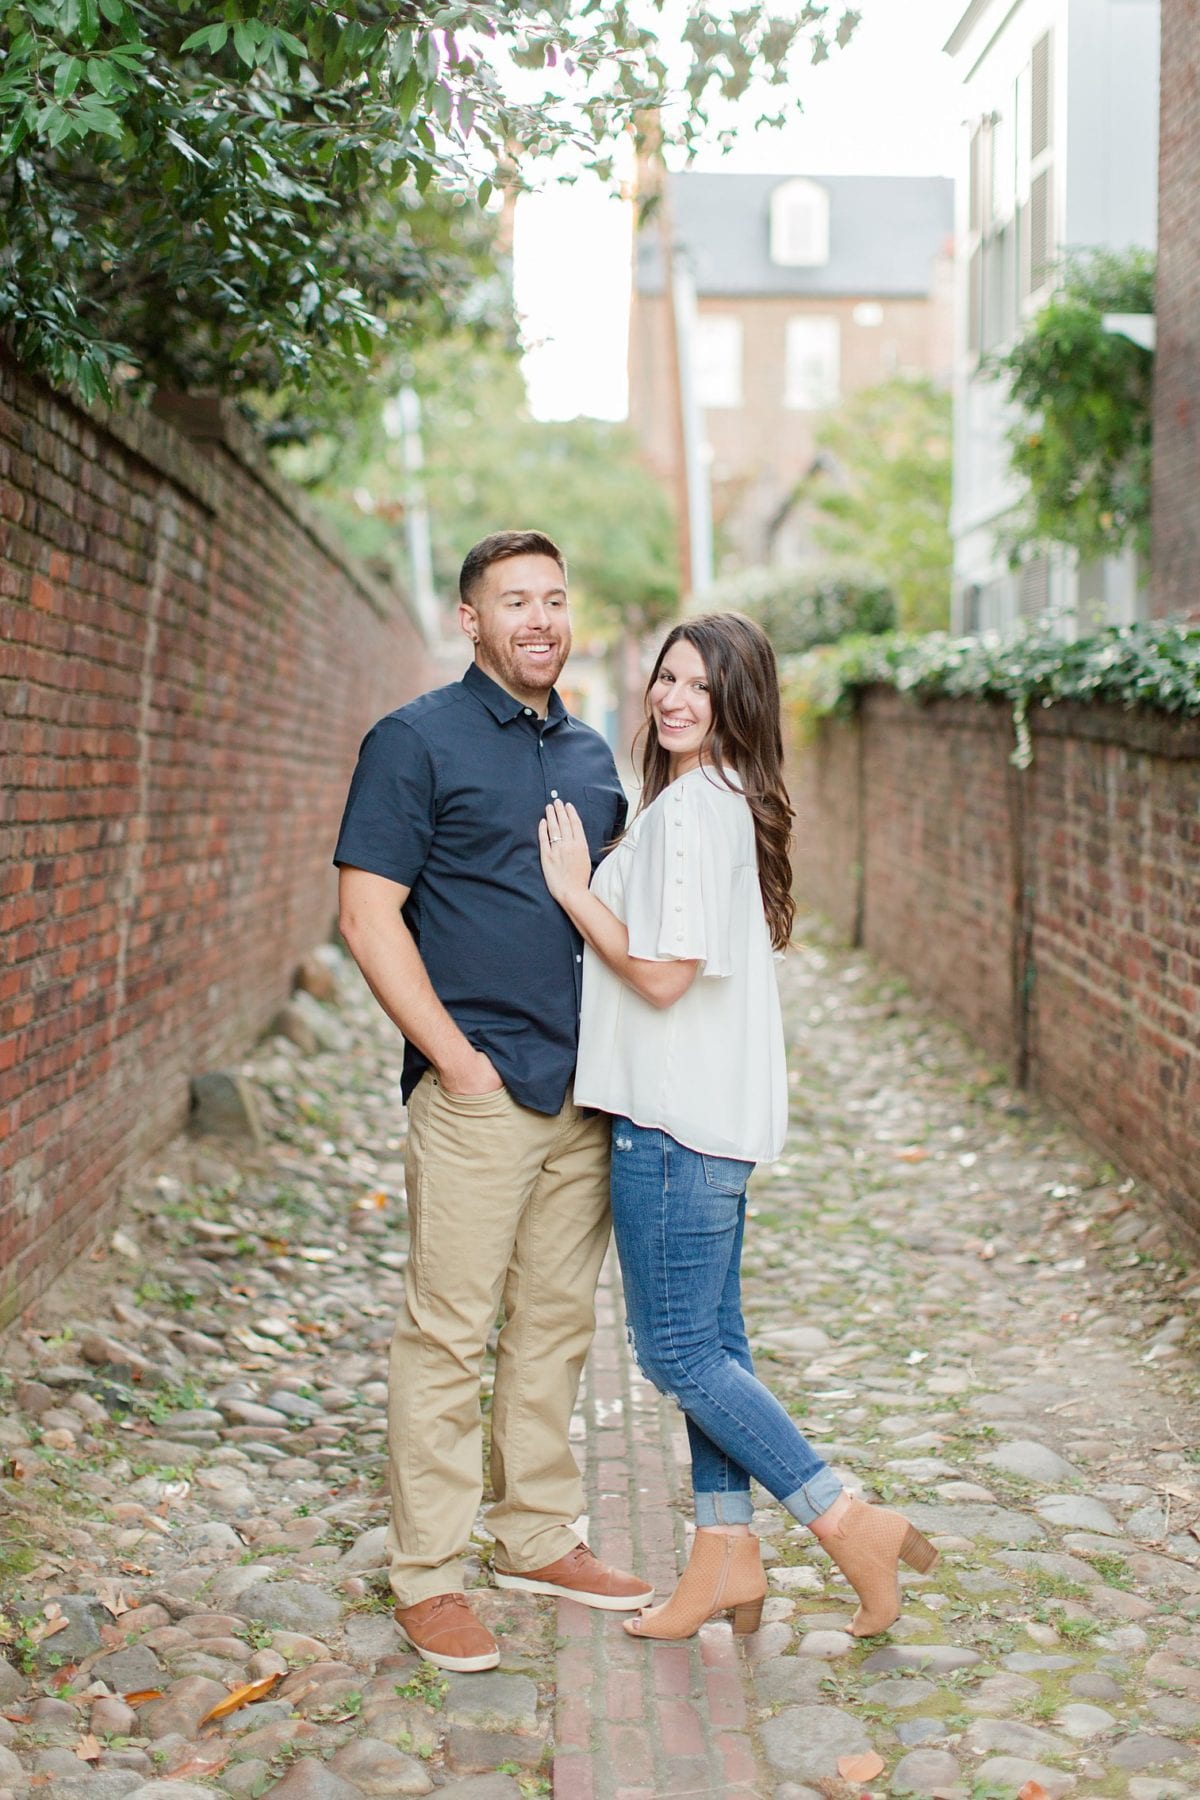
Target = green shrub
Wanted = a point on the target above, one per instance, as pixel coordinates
(799, 610)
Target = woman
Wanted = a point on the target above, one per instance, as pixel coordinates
(681, 1040)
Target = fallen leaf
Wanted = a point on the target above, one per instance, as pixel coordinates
(1033, 1790)
(243, 1696)
(860, 1768)
(911, 1153)
(49, 1629)
(140, 1696)
(373, 1202)
(111, 1598)
(1195, 1530)
(198, 1765)
(88, 1748)
(1177, 1493)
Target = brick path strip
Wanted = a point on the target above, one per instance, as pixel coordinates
(642, 1721)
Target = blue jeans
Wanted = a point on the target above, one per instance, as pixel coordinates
(678, 1218)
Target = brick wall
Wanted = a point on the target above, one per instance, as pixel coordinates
(1052, 912)
(187, 664)
(1176, 490)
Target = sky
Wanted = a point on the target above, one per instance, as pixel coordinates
(888, 104)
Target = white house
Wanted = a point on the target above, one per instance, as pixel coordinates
(1061, 148)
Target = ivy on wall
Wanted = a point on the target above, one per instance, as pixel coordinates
(1155, 665)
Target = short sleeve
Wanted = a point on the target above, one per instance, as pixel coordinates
(680, 883)
(387, 826)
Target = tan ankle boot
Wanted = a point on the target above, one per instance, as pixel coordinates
(724, 1574)
(868, 1543)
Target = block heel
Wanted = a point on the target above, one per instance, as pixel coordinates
(917, 1551)
(747, 1617)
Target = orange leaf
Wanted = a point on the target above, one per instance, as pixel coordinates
(1033, 1790)
(243, 1696)
(860, 1768)
(140, 1696)
(911, 1153)
(88, 1748)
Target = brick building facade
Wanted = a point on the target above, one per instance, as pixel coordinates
(187, 664)
(806, 291)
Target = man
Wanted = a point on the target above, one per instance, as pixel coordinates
(446, 912)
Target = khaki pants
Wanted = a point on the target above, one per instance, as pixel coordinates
(506, 1205)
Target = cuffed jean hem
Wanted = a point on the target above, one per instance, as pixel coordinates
(814, 1498)
(730, 1507)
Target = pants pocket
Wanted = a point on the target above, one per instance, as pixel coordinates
(725, 1174)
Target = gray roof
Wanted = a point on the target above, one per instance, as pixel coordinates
(884, 232)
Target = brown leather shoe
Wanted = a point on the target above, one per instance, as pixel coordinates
(447, 1634)
(581, 1576)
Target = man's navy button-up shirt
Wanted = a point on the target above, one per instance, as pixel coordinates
(446, 800)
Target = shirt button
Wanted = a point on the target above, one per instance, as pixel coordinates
(579, 959)
(554, 793)
(678, 908)
(529, 712)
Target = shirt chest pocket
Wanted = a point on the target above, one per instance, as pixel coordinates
(601, 809)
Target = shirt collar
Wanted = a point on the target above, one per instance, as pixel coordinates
(502, 705)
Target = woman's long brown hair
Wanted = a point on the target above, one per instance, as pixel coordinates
(746, 737)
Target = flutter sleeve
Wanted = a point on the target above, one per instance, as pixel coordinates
(679, 889)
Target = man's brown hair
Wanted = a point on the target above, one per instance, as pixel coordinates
(498, 548)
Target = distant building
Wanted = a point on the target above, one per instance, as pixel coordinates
(806, 290)
(1175, 551)
(1060, 154)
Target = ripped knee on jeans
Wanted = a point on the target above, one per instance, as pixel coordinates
(621, 1141)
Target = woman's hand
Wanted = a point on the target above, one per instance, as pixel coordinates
(566, 859)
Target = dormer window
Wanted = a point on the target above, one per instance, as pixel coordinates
(799, 225)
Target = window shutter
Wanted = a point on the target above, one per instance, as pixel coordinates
(975, 301)
(1041, 237)
(1039, 112)
(1033, 587)
(975, 181)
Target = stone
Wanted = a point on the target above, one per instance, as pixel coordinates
(1000, 1693)
(1080, 1512)
(1145, 1751)
(1094, 1684)
(1033, 1461)
(1148, 1523)
(126, 1671)
(1012, 1772)
(493, 1700)
(939, 1659)
(292, 1605)
(1011, 1738)
(804, 1742)
(922, 1731)
(827, 1644)
(245, 1780)
(800, 1578)
(103, 1784)
(1036, 1662)
(924, 1772)
(379, 1769)
(898, 1692)
(181, 1708)
(222, 1105)
(1149, 1787)
(483, 1787)
(367, 1552)
(784, 1680)
(472, 1751)
(310, 1027)
(995, 1524)
(315, 976)
(311, 1779)
(13, 1685)
(85, 1615)
(1083, 1722)
(798, 1340)
(1049, 1562)
(11, 1768)
(171, 1790)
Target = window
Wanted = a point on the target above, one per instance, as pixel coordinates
(717, 360)
(868, 313)
(799, 225)
(813, 363)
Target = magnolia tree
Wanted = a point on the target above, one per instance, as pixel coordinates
(249, 192)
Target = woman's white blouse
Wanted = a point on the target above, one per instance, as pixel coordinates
(710, 1069)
